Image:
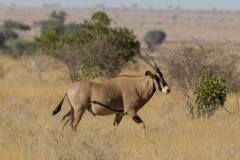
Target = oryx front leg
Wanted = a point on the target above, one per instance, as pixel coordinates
(139, 121)
(136, 118)
(117, 119)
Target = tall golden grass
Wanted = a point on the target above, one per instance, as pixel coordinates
(28, 131)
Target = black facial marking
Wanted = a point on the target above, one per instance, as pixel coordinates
(157, 79)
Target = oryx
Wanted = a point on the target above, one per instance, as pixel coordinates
(122, 95)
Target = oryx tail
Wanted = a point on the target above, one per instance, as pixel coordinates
(59, 106)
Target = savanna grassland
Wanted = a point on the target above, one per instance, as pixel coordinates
(30, 88)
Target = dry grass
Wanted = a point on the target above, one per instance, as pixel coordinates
(28, 131)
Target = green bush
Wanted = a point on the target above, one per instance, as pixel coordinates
(51, 38)
(99, 49)
(210, 93)
(100, 18)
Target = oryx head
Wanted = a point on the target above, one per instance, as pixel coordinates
(158, 78)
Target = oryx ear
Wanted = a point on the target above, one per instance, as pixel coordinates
(149, 73)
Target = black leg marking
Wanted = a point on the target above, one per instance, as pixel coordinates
(117, 119)
(137, 119)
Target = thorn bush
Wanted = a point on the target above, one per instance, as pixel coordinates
(210, 93)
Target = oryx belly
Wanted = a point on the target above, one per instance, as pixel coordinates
(106, 99)
(97, 109)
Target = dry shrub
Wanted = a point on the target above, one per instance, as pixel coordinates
(188, 63)
(98, 58)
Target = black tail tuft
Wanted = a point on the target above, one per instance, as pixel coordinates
(59, 106)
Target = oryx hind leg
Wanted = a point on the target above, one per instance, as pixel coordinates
(78, 113)
(66, 122)
(117, 119)
(77, 110)
(79, 98)
(69, 116)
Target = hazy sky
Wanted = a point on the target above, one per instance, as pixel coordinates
(185, 4)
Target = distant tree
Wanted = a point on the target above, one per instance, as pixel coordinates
(21, 47)
(134, 6)
(12, 24)
(55, 19)
(9, 27)
(58, 16)
(9, 34)
(2, 39)
(153, 38)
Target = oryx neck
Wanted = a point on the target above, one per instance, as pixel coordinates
(146, 89)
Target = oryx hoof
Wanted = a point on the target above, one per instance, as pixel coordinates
(74, 129)
(143, 126)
